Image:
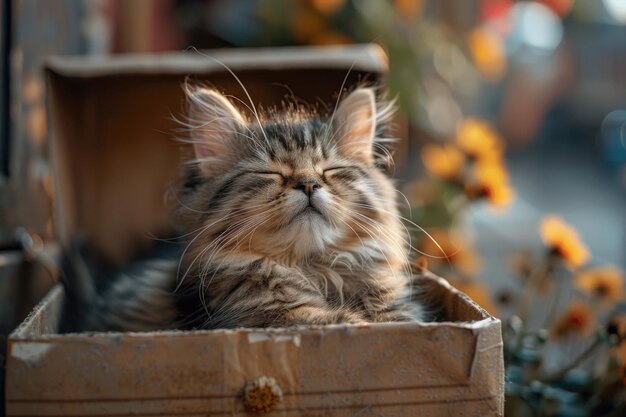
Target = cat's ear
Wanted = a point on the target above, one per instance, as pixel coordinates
(215, 127)
(354, 125)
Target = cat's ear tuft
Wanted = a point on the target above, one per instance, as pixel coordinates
(215, 127)
(354, 125)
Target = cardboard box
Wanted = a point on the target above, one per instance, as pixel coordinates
(114, 160)
(451, 368)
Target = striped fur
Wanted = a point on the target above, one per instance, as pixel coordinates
(290, 219)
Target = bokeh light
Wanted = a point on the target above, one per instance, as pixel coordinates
(617, 9)
(536, 26)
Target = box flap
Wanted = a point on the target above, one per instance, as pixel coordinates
(367, 58)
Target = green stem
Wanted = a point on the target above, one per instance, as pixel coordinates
(575, 363)
(555, 301)
(532, 284)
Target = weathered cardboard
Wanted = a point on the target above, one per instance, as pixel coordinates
(111, 162)
(448, 368)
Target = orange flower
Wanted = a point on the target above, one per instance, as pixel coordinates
(443, 162)
(578, 319)
(479, 293)
(563, 241)
(328, 6)
(487, 51)
(603, 284)
(452, 249)
(408, 10)
(479, 141)
(491, 183)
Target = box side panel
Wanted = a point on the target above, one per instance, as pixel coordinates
(487, 369)
(377, 368)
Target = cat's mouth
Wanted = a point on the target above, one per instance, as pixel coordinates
(312, 209)
(308, 212)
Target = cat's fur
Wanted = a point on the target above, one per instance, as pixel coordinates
(290, 219)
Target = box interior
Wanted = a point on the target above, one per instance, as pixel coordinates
(114, 153)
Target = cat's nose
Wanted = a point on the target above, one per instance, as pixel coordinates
(308, 186)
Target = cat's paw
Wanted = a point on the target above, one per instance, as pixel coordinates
(320, 316)
(394, 316)
(349, 317)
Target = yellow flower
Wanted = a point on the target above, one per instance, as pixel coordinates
(579, 319)
(492, 183)
(450, 248)
(487, 51)
(603, 284)
(444, 162)
(479, 141)
(563, 241)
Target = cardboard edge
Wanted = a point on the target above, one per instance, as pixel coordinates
(29, 348)
(366, 57)
(55, 295)
(21, 332)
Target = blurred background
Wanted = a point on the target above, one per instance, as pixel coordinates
(542, 81)
(548, 76)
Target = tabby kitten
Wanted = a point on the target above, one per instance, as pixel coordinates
(290, 220)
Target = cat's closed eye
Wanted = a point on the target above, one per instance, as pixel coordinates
(270, 173)
(335, 169)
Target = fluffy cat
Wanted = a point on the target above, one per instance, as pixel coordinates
(290, 219)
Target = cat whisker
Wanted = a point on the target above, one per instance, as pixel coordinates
(413, 224)
(245, 90)
(343, 84)
(203, 230)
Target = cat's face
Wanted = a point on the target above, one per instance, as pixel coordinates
(293, 185)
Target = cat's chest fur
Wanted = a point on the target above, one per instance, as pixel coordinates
(344, 279)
